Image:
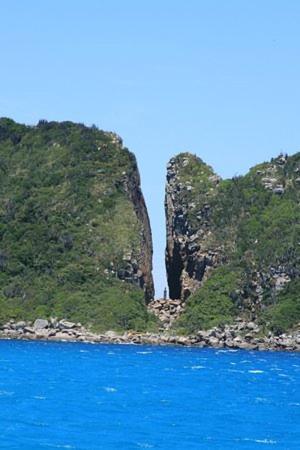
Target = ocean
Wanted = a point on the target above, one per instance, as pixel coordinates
(89, 397)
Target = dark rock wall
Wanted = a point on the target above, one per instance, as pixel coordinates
(132, 186)
(210, 222)
(189, 257)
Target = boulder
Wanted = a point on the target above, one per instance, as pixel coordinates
(229, 343)
(28, 330)
(41, 333)
(214, 342)
(237, 340)
(111, 334)
(20, 325)
(182, 340)
(53, 322)
(66, 324)
(251, 326)
(40, 324)
(52, 332)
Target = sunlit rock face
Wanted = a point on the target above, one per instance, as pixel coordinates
(191, 252)
(248, 225)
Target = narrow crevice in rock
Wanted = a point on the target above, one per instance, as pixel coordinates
(174, 271)
(132, 185)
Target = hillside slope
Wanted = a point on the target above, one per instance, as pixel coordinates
(233, 246)
(75, 238)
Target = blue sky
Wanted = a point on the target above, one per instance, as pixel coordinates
(218, 78)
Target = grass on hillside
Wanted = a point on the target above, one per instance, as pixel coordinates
(66, 226)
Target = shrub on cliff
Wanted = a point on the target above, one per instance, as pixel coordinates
(212, 305)
(68, 225)
(286, 312)
(250, 223)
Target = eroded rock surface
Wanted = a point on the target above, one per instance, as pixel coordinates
(236, 240)
(190, 251)
(167, 310)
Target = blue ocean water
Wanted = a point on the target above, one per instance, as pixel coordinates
(89, 397)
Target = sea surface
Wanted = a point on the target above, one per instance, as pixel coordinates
(85, 396)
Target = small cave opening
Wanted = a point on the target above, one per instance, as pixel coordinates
(174, 270)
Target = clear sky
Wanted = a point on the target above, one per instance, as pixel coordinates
(218, 78)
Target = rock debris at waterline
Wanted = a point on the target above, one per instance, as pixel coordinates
(240, 335)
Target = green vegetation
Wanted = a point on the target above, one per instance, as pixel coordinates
(286, 312)
(212, 305)
(66, 225)
(197, 178)
(255, 221)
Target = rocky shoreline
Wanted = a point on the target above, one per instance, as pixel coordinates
(240, 335)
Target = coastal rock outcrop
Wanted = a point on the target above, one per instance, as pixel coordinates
(233, 245)
(75, 238)
(166, 310)
(143, 271)
(238, 335)
(191, 252)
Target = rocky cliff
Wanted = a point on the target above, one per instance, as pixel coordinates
(233, 245)
(75, 239)
(143, 271)
(190, 252)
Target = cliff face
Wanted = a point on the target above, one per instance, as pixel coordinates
(191, 252)
(75, 238)
(132, 187)
(233, 245)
